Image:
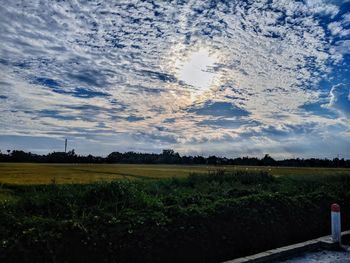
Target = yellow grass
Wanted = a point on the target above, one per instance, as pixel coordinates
(30, 173)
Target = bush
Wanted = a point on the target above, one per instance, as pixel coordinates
(202, 218)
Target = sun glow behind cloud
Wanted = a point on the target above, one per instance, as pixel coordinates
(197, 70)
(192, 75)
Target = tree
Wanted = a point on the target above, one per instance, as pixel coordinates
(267, 160)
(71, 153)
(169, 156)
(213, 160)
(168, 152)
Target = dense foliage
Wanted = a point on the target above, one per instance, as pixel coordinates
(202, 218)
(166, 157)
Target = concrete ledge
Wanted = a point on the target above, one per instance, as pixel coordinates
(286, 252)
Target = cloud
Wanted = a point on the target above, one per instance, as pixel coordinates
(340, 99)
(55, 114)
(318, 108)
(78, 92)
(343, 46)
(120, 68)
(323, 7)
(228, 123)
(90, 77)
(341, 27)
(346, 18)
(336, 28)
(86, 93)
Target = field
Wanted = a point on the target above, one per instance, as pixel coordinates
(105, 213)
(30, 173)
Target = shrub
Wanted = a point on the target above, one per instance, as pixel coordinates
(202, 218)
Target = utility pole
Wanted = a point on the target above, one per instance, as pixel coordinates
(65, 146)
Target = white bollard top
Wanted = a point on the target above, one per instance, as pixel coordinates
(335, 208)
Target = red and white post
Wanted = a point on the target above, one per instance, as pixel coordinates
(336, 223)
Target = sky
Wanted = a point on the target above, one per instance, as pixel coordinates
(230, 78)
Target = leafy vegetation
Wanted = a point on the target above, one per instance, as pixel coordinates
(200, 218)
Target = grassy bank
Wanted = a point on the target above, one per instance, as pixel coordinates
(200, 218)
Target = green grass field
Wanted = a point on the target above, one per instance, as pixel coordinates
(31, 173)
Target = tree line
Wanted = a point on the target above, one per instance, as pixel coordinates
(167, 156)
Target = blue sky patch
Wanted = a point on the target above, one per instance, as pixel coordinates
(220, 109)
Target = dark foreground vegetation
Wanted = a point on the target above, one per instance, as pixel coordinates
(166, 157)
(202, 218)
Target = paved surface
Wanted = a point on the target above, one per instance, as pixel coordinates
(324, 252)
(322, 257)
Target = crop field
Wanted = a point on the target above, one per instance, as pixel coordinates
(33, 173)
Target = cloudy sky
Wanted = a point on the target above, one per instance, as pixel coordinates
(221, 77)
